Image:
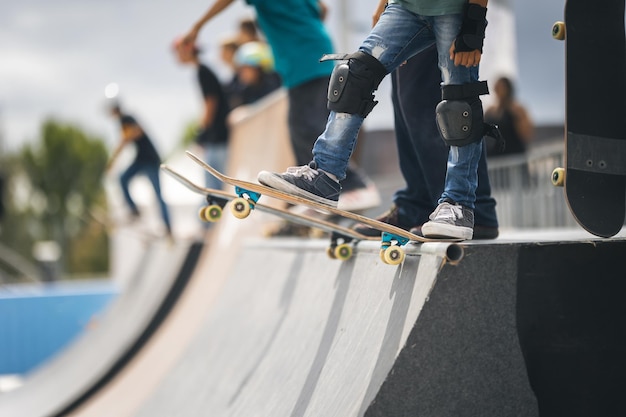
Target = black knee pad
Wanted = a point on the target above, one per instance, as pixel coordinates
(460, 113)
(460, 122)
(352, 83)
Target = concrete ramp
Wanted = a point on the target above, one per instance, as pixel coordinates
(109, 344)
(296, 334)
(292, 333)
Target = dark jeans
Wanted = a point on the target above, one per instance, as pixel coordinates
(307, 117)
(422, 154)
(151, 170)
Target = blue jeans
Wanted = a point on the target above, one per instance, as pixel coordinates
(398, 36)
(421, 152)
(151, 170)
(216, 156)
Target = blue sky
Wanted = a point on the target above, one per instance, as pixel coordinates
(56, 57)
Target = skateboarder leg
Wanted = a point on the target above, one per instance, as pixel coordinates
(422, 154)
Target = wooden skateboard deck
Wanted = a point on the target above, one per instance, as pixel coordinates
(595, 126)
(343, 239)
(392, 237)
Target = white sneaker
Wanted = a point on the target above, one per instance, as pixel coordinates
(451, 221)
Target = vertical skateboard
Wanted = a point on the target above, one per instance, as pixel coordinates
(594, 176)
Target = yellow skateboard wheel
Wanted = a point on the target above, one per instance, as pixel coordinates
(201, 214)
(343, 252)
(558, 177)
(211, 213)
(240, 207)
(393, 255)
(558, 31)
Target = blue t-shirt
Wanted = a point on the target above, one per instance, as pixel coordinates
(298, 38)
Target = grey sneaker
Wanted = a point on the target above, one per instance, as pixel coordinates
(450, 220)
(305, 181)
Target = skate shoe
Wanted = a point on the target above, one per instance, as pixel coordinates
(304, 181)
(450, 220)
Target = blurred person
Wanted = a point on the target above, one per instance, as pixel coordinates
(255, 74)
(228, 49)
(298, 38)
(512, 119)
(213, 132)
(248, 32)
(147, 162)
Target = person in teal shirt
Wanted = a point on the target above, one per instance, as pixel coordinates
(296, 33)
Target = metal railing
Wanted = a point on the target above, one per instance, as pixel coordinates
(522, 187)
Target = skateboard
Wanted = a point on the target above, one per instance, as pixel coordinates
(594, 176)
(392, 239)
(342, 240)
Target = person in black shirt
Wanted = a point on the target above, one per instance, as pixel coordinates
(512, 120)
(147, 162)
(213, 132)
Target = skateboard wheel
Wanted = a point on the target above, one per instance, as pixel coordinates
(330, 251)
(558, 177)
(211, 213)
(558, 31)
(240, 208)
(201, 214)
(343, 252)
(393, 255)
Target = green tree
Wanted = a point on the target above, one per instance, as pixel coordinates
(61, 181)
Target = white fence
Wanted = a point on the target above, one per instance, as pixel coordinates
(524, 192)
